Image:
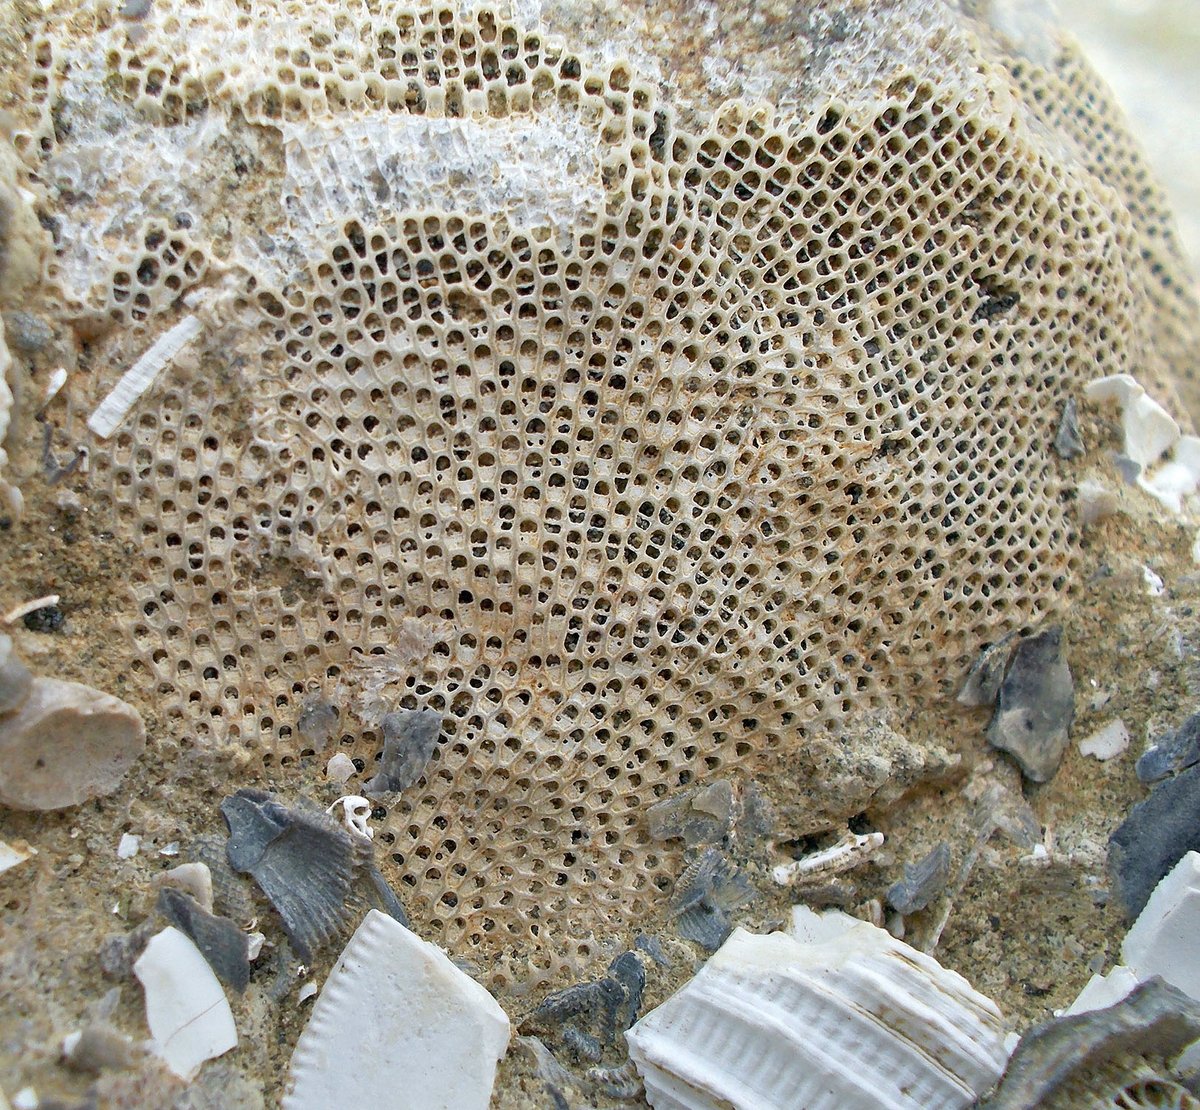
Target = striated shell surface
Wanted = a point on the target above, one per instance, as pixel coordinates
(855, 1021)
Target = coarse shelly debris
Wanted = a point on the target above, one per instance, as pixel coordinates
(643, 438)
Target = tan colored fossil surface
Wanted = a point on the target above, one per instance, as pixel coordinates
(664, 395)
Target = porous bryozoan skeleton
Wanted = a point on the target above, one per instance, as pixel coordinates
(646, 428)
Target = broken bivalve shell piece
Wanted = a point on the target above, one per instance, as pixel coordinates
(221, 942)
(304, 861)
(186, 1009)
(854, 1020)
(1155, 835)
(923, 881)
(395, 1015)
(13, 854)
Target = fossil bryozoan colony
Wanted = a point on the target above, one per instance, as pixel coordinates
(658, 397)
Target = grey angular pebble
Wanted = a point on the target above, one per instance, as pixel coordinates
(65, 744)
(982, 684)
(119, 951)
(1129, 470)
(922, 882)
(15, 679)
(702, 815)
(409, 738)
(26, 333)
(221, 942)
(1068, 443)
(1173, 752)
(1036, 706)
(220, 1086)
(1157, 833)
(1065, 1057)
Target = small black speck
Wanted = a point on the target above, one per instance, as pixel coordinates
(50, 618)
(378, 813)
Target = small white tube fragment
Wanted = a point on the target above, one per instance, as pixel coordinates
(141, 376)
(844, 855)
(27, 607)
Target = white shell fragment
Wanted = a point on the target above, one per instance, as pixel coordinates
(1162, 941)
(1102, 991)
(849, 1019)
(141, 376)
(354, 812)
(1096, 501)
(186, 1009)
(1107, 742)
(395, 1015)
(194, 879)
(13, 854)
(1150, 431)
(128, 845)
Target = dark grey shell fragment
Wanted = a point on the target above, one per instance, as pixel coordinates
(595, 1011)
(1068, 443)
(922, 882)
(1062, 1062)
(1036, 707)
(409, 738)
(702, 815)
(982, 684)
(317, 721)
(707, 890)
(303, 860)
(1157, 833)
(1173, 752)
(221, 942)
(233, 896)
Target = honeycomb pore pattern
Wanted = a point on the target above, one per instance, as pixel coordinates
(648, 438)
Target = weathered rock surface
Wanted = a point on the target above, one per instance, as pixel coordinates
(67, 743)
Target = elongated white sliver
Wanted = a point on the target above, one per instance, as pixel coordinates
(140, 376)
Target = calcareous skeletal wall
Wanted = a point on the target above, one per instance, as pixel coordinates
(654, 395)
